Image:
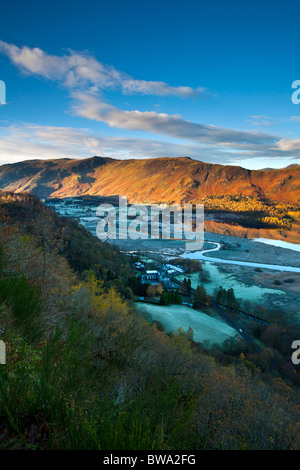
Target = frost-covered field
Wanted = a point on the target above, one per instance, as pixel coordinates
(202, 255)
(226, 280)
(175, 316)
(280, 243)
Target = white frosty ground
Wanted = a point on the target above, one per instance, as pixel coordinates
(218, 278)
(280, 243)
(201, 255)
(175, 316)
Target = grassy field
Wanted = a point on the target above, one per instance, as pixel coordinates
(205, 328)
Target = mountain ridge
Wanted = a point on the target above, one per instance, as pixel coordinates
(165, 179)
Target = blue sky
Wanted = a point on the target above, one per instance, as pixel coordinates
(135, 79)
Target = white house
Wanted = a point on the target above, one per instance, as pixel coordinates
(151, 275)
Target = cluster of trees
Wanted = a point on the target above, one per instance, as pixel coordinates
(255, 212)
(204, 276)
(153, 290)
(172, 297)
(66, 237)
(189, 265)
(84, 371)
(274, 332)
(187, 285)
(201, 298)
(226, 297)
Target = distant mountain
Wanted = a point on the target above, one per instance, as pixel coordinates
(148, 180)
(293, 165)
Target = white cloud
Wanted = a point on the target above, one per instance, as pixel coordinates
(41, 142)
(260, 120)
(29, 141)
(262, 123)
(90, 106)
(81, 69)
(288, 145)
